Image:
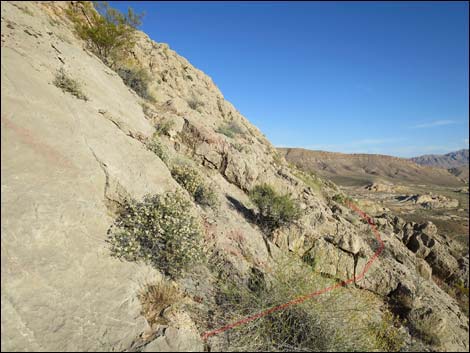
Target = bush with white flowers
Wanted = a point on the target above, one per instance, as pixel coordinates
(190, 179)
(159, 230)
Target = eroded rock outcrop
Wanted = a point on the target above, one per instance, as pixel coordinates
(429, 201)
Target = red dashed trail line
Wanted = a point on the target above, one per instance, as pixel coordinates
(303, 298)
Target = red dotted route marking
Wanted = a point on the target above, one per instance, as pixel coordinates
(303, 298)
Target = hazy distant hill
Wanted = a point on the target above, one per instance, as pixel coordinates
(450, 160)
(359, 168)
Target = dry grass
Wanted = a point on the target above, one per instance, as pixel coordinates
(457, 291)
(68, 84)
(345, 319)
(155, 298)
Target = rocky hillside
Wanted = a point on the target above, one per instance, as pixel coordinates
(450, 160)
(364, 168)
(80, 151)
(461, 172)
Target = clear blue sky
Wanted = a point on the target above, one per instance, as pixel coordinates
(388, 78)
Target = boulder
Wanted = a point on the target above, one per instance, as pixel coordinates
(175, 340)
(332, 261)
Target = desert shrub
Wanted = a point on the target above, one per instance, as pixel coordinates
(156, 147)
(155, 298)
(278, 158)
(309, 259)
(424, 327)
(388, 337)
(241, 147)
(230, 130)
(159, 230)
(190, 179)
(461, 293)
(137, 79)
(206, 196)
(309, 179)
(275, 210)
(24, 9)
(195, 103)
(456, 290)
(68, 84)
(338, 320)
(164, 127)
(342, 199)
(187, 177)
(107, 31)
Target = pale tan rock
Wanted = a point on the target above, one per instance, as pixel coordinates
(424, 269)
(64, 166)
(176, 340)
(332, 261)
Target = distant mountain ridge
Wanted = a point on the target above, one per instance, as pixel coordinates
(449, 160)
(341, 167)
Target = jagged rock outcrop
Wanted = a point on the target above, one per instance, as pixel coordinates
(429, 201)
(68, 165)
(380, 187)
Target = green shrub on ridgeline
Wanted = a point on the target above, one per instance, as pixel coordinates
(108, 32)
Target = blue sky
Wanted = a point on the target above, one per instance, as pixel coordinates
(389, 78)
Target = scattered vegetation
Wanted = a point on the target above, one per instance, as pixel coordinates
(277, 158)
(108, 32)
(311, 180)
(425, 328)
(195, 103)
(190, 179)
(136, 78)
(231, 129)
(335, 321)
(241, 147)
(68, 84)
(187, 177)
(164, 127)
(342, 199)
(24, 9)
(275, 210)
(157, 297)
(457, 290)
(156, 147)
(206, 196)
(461, 293)
(159, 230)
(386, 332)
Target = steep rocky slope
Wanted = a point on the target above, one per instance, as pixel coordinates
(69, 164)
(367, 167)
(461, 172)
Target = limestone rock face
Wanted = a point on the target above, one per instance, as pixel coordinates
(332, 261)
(175, 340)
(65, 166)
